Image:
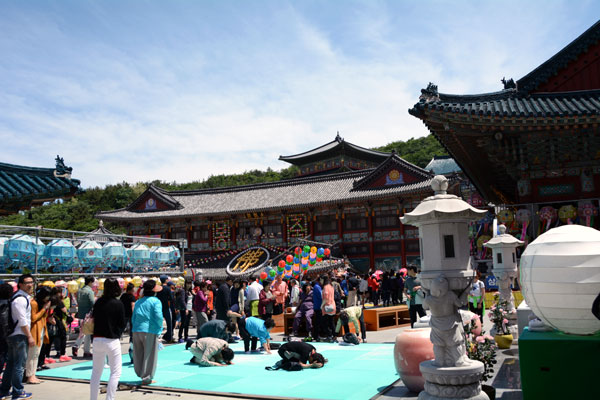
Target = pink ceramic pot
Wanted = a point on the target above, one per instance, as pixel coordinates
(412, 347)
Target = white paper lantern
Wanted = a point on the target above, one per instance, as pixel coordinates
(560, 278)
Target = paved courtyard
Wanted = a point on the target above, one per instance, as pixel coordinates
(506, 378)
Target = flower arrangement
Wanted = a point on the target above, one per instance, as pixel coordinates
(498, 315)
(481, 348)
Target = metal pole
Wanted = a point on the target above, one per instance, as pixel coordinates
(37, 236)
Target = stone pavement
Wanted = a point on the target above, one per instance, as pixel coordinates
(506, 379)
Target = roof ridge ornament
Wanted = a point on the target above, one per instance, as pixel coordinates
(429, 94)
(338, 137)
(508, 84)
(62, 171)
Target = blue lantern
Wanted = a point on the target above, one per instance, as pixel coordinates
(160, 256)
(139, 255)
(21, 252)
(91, 256)
(60, 255)
(4, 259)
(174, 255)
(115, 256)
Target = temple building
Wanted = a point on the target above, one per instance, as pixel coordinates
(358, 210)
(335, 156)
(533, 148)
(24, 187)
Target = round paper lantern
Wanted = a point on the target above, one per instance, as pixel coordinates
(137, 281)
(101, 283)
(121, 282)
(81, 282)
(326, 252)
(281, 264)
(14, 285)
(560, 278)
(115, 256)
(60, 283)
(4, 259)
(139, 255)
(49, 284)
(289, 258)
(567, 214)
(90, 256)
(61, 255)
(72, 287)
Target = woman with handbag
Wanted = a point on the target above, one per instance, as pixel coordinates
(146, 322)
(109, 323)
(40, 307)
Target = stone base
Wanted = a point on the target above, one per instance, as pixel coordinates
(452, 382)
(426, 396)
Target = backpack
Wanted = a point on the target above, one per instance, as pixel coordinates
(350, 338)
(4, 316)
(12, 324)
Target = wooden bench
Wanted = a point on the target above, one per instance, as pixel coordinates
(380, 318)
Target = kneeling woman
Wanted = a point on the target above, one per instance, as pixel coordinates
(210, 352)
(296, 356)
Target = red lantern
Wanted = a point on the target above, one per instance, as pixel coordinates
(297, 250)
(327, 252)
(281, 263)
(289, 258)
(263, 275)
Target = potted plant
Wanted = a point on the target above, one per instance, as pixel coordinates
(481, 348)
(498, 315)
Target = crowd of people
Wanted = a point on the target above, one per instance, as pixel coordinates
(32, 322)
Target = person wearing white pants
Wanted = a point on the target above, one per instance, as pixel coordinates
(103, 348)
(109, 324)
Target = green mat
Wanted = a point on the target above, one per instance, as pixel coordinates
(353, 372)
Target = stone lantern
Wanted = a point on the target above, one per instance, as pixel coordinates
(446, 274)
(504, 257)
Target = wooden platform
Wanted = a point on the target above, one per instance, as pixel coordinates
(376, 319)
(380, 318)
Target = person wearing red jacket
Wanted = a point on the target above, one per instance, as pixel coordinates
(373, 289)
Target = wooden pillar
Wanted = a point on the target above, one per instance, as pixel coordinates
(189, 235)
(371, 243)
(233, 232)
(210, 236)
(340, 220)
(284, 230)
(402, 243)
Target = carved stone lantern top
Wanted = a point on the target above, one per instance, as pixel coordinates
(441, 206)
(503, 240)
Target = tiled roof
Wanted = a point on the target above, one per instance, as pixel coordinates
(560, 60)
(392, 161)
(338, 144)
(20, 184)
(510, 103)
(281, 195)
(442, 165)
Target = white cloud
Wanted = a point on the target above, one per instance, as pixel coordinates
(173, 98)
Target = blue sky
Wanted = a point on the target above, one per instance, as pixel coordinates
(179, 90)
